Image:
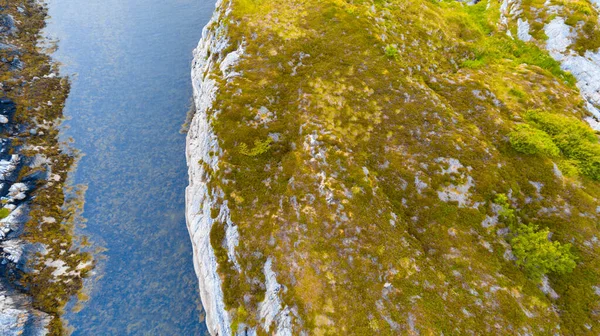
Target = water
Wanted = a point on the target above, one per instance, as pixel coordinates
(129, 62)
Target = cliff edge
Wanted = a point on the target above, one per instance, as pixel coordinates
(394, 167)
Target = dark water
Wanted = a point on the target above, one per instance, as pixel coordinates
(130, 63)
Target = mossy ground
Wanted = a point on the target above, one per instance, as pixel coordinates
(582, 15)
(373, 226)
(40, 96)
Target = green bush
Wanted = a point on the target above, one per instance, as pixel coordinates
(553, 134)
(538, 255)
(566, 130)
(531, 246)
(588, 157)
(569, 168)
(391, 51)
(260, 147)
(4, 212)
(473, 64)
(506, 212)
(528, 140)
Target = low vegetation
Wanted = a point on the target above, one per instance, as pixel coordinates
(532, 247)
(552, 135)
(529, 140)
(398, 123)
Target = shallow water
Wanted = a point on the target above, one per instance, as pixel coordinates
(129, 62)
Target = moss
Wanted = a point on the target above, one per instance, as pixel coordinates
(260, 147)
(391, 52)
(556, 133)
(347, 202)
(4, 212)
(528, 140)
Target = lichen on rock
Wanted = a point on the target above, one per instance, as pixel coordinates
(373, 210)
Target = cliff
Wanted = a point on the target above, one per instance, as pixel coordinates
(396, 167)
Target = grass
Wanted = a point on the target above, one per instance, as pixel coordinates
(4, 212)
(347, 202)
(553, 134)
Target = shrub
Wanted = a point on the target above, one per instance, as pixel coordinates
(538, 255)
(473, 64)
(569, 168)
(534, 251)
(260, 147)
(528, 140)
(506, 212)
(588, 157)
(391, 51)
(4, 212)
(568, 131)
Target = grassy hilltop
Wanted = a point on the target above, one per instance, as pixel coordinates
(409, 167)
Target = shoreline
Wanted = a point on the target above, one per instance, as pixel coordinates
(199, 142)
(43, 266)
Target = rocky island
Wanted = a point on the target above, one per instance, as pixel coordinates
(397, 167)
(41, 263)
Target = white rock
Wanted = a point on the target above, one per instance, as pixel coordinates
(8, 167)
(60, 267)
(271, 309)
(560, 37)
(201, 141)
(523, 30)
(49, 220)
(14, 249)
(18, 191)
(14, 221)
(17, 316)
(545, 287)
(586, 68)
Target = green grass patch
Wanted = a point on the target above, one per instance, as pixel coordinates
(547, 131)
(529, 140)
(4, 212)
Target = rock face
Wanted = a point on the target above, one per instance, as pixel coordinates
(17, 315)
(371, 168)
(200, 142)
(585, 68)
(7, 24)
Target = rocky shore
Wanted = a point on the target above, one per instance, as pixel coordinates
(41, 265)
